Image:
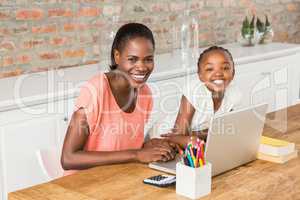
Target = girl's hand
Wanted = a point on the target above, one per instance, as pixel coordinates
(155, 153)
(179, 139)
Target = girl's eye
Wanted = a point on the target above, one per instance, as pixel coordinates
(226, 67)
(209, 69)
(132, 60)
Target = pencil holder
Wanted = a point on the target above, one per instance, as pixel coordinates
(193, 182)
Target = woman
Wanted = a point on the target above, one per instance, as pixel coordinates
(108, 123)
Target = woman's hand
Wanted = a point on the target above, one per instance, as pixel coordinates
(153, 153)
(159, 142)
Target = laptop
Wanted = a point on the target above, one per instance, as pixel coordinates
(233, 140)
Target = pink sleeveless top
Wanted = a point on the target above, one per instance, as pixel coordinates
(112, 129)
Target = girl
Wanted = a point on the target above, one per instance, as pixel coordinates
(210, 93)
(108, 123)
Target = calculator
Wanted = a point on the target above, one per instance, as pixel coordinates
(161, 180)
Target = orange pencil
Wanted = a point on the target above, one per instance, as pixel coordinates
(202, 151)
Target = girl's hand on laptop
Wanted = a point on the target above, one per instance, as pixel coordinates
(182, 140)
(179, 139)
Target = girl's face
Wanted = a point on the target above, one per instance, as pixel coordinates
(136, 60)
(216, 70)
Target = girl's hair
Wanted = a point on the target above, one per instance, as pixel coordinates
(213, 48)
(125, 33)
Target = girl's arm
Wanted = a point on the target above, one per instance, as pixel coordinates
(75, 157)
(184, 117)
(201, 134)
(182, 129)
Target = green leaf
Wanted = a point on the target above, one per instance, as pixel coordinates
(246, 28)
(260, 26)
(267, 22)
(251, 27)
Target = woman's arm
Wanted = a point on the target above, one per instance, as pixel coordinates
(75, 157)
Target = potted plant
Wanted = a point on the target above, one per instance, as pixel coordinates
(268, 33)
(248, 32)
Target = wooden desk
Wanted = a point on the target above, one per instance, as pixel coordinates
(256, 180)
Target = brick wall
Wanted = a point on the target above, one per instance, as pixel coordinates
(37, 35)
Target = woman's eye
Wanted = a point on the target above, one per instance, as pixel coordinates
(149, 60)
(208, 69)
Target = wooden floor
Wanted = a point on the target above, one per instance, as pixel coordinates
(255, 181)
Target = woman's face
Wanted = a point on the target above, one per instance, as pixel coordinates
(136, 60)
(216, 70)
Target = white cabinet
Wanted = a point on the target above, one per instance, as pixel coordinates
(23, 133)
(297, 86)
(19, 144)
(267, 81)
(65, 110)
(294, 77)
(166, 94)
(254, 87)
(166, 99)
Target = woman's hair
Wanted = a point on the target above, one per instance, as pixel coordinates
(213, 48)
(128, 32)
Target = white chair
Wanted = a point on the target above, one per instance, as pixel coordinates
(49, 160)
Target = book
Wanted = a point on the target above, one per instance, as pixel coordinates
(277, 159)
(275, 147)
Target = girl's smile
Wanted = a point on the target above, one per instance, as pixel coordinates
(216, 71)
